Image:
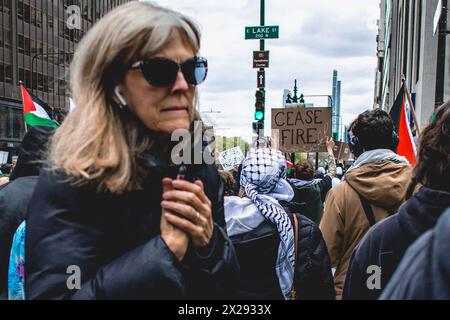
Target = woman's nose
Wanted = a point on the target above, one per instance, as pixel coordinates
(180, 83)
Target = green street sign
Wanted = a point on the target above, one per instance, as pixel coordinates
(261, 32)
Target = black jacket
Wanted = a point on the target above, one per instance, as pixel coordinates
(15, 195)
(385, 244)
(257, 254)
(14, 198)
(116, 244)
(424, 272)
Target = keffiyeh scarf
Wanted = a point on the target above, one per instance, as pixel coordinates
(263, 178)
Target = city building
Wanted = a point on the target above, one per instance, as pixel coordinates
(412, 41)
(37, 41)
(336, 107)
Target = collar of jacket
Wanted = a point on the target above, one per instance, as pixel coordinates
(421, 212)
(377, 156)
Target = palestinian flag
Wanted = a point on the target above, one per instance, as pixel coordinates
(401, 115)
(34, 111)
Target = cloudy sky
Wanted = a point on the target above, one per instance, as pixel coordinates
(316, 37)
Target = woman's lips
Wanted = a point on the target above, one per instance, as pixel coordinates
(175, 109)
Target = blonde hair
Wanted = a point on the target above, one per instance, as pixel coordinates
(97, 143)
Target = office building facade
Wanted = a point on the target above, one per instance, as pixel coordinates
(336, 107)
(413, 41)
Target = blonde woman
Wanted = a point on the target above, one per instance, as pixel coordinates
(109, 220)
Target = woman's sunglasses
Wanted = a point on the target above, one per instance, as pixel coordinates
(162, 72)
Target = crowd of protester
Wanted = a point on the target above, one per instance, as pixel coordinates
(101, 197)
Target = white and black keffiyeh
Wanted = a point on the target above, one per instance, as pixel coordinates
(264, 179)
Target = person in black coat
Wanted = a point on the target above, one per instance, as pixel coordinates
(260, 225)
(114, 216)
(15, 196)
(424, 270)
(385, 244)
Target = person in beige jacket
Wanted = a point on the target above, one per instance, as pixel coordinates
(379, 177)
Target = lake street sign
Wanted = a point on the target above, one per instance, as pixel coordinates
(261, 79)
(261, 32)
(260, 59)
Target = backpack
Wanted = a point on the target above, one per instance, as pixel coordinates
(16, 271)
(257, 252)
(308, 198)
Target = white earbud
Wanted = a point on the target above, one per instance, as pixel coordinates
(122, 100)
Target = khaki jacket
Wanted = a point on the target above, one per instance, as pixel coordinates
(344, 222)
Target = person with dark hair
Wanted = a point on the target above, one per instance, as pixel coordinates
(228, 182)
(373, 188)
(16, 195)
(385, 244)
(423, 273)
(310, 193)
(237, 177)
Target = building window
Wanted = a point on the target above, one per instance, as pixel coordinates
(5, 38)
(5, 6)
(26, 13)
(50, 23)
(3, 122)
(27, 80)
(17, 124)
(6, 73)
(20, 10)
(39, 83)
(20, 44)
(23, 44)
(36, 17)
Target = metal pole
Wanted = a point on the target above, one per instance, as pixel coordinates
(261, 48)
(317, 160)
(32, 70)
(440, 63)
(262, 23)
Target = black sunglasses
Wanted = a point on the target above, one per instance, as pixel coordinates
(162, 72)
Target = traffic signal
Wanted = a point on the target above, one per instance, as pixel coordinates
(259, 105)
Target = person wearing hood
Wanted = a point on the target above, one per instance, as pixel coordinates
(15, 196)
(424, 271)
(282, 254)
(373, 188)
(385, 244)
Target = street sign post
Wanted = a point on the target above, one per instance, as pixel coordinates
(261, 79)
(260, 59)
(262, 32)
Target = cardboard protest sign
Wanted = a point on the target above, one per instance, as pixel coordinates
(301, 129)
(231, 158)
